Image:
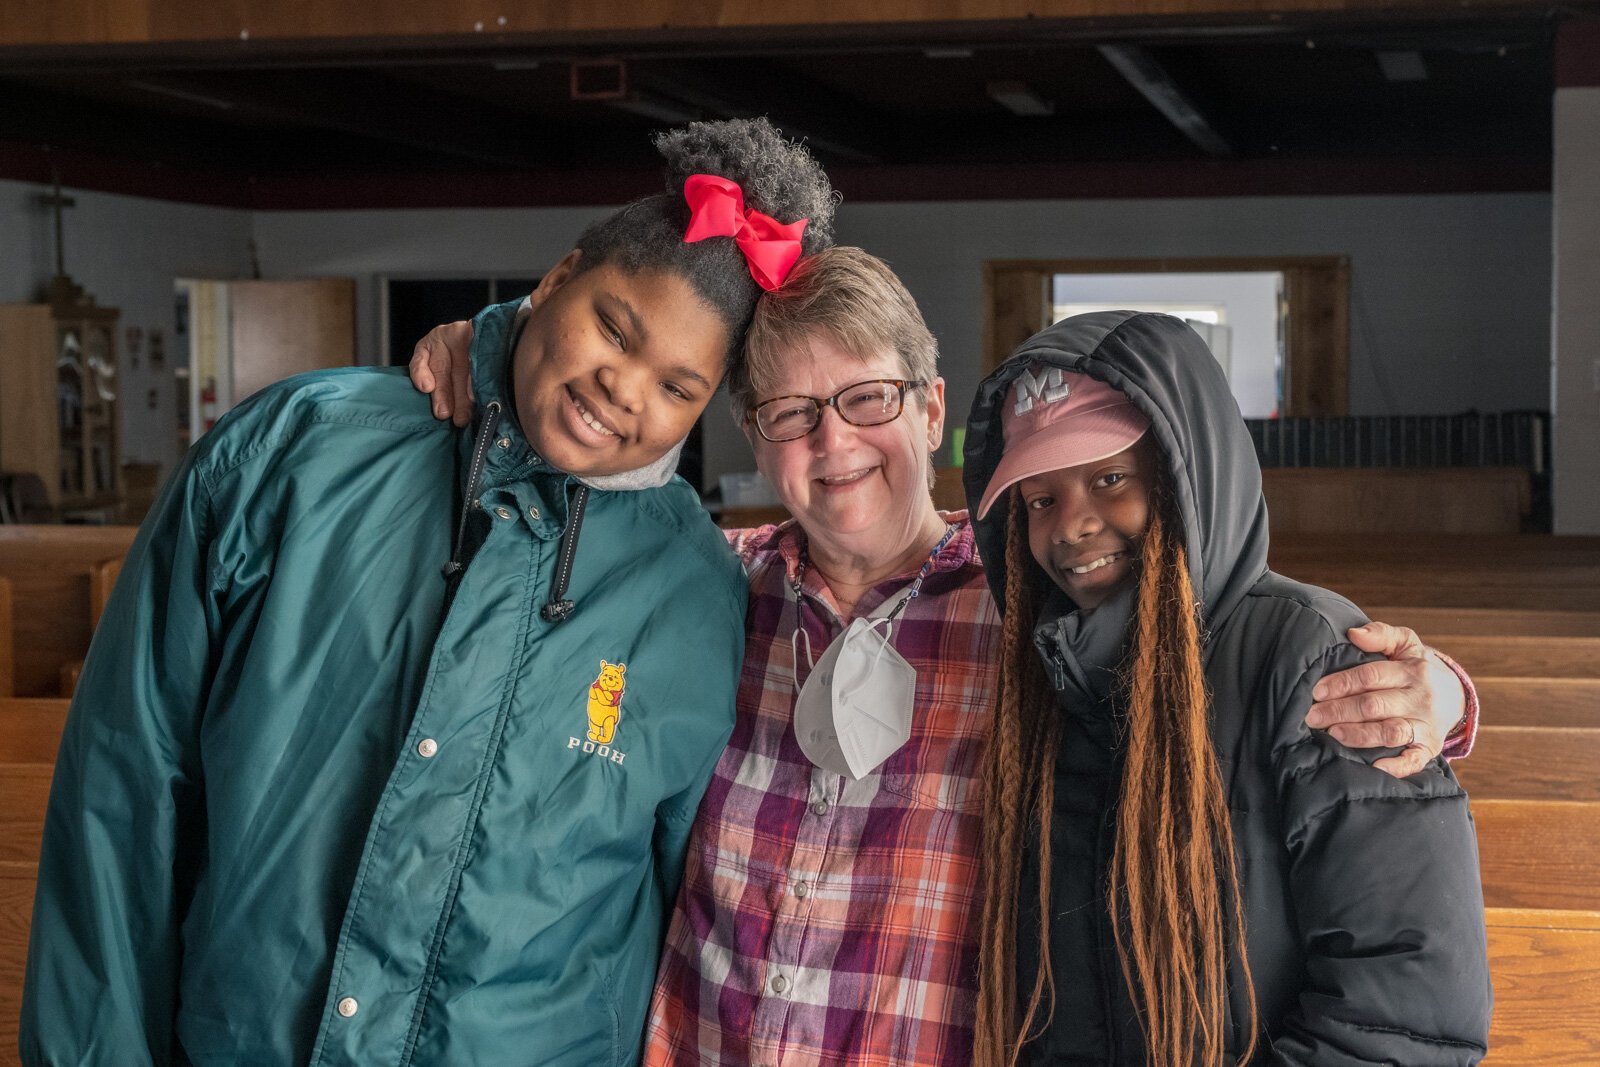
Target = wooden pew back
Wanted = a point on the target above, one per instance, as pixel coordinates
(16, 915)
(8, 663)
(52, 571)
(1546, 971)
(1526, 573)
(30, 728)
(1532, 763)
(1539, 853)
(1572, 702)
(1521, 656)
(24, 792)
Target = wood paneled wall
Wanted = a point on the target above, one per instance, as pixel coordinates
(97, 22)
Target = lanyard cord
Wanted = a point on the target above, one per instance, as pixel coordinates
(797, 581)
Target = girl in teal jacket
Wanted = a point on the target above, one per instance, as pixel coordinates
(333, 789)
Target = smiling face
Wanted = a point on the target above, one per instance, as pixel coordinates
(1085, 523)
(861, 490)
(614, 368)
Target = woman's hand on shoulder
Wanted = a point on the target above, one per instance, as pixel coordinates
(441, 366)
(1409, 700)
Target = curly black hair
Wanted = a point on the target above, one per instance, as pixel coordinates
(779, 178)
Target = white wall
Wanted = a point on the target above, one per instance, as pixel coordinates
(1450, 309)
(125, 251)
(1451, 303)
(1575, 377)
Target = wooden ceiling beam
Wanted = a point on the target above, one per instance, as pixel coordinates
(422, 24)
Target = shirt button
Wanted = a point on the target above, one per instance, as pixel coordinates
(801, 889)
(504, 442)
(533, 513)
(819, 807)
(427, 747)
(348, 1006)
(779, 984)
(504, 513)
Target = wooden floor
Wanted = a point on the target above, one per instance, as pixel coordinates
(1521, 614)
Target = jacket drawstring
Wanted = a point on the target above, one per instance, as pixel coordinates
(557, 609)
(480, 452)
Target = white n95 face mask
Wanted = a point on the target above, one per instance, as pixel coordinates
(854, 711)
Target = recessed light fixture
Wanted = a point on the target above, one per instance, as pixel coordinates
(1018, 99)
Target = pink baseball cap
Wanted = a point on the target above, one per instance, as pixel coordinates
(1056, 418)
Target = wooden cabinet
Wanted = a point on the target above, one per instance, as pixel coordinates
(59, 399)
(86, 407)
(28, 440)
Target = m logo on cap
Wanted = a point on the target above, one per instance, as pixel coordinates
(1046, 387)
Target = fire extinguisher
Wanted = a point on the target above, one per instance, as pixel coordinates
(208, 404)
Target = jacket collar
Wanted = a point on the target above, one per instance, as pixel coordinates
(1082, 650)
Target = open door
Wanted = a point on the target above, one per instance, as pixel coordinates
(284, 328)
(1316, 315)
(241, 336)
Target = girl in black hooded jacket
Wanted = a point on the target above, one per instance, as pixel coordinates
(1178, 870)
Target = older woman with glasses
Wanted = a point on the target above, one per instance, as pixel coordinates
(829, 907)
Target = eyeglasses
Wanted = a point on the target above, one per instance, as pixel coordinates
(871, 403)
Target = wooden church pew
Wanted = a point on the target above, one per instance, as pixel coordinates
(16, 914)
(1539, 701)
(1488, 622)
(30, 728)
(1539, 853)
(1521, 656)
(24, 792)
(1545, 966)
(1543, 595)
(8, 666)
(1532, 763)
(52, 571)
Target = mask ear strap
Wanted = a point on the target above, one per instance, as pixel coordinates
(794, 648)
(883, 646)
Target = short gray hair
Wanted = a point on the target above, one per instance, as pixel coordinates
(846, 295)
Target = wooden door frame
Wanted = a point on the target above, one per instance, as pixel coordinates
(1017, 304)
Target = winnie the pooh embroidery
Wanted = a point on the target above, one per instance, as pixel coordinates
(605, 702)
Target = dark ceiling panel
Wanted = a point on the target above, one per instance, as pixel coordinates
(1265, 93)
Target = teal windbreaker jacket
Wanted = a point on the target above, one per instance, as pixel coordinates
(309, 809)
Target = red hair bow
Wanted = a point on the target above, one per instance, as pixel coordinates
(716, 209)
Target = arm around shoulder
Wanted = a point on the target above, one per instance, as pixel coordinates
(119, 852)
(1387, 893)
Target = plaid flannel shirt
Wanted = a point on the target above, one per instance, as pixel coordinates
(824, 922)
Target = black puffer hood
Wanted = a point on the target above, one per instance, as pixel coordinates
(1166, 369)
